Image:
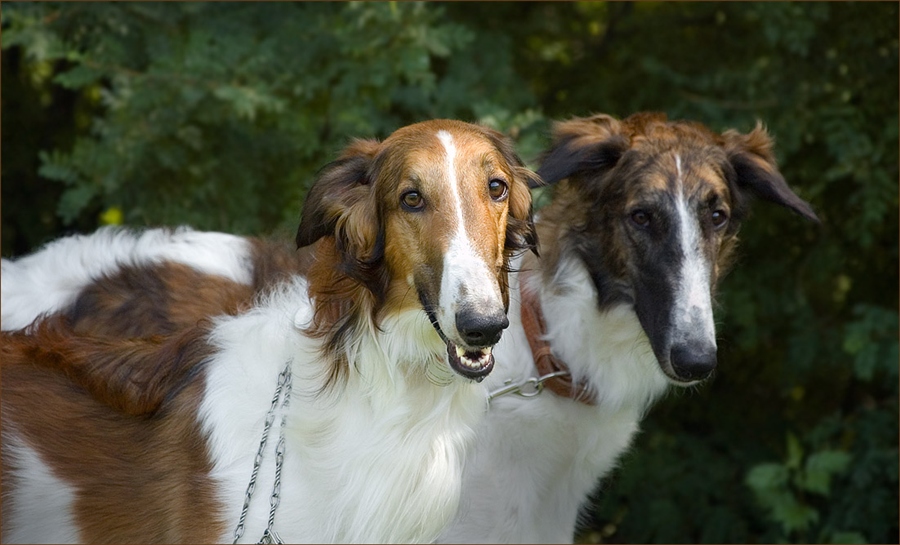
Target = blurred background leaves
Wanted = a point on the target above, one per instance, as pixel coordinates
(218, 115)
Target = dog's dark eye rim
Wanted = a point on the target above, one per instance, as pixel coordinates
(498, 189)
(718, 217)
(412, 201)
(640, 217)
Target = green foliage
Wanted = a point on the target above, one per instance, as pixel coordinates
(780, 486)
(219, 114)
(207, 111)
(872, 342)
(798, 491)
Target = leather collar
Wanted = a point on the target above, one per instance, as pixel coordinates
(544, 360)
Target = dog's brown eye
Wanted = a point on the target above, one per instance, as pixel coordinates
(641, 218)
(719, 218)
(412, 200)
(498, 189)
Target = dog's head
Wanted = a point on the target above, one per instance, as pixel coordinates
(654, 208)
(429, 219)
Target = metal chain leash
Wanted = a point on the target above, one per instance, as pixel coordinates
(529, 387)
(269, 536)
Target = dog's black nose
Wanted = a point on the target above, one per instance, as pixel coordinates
(693, 363)
(480, 328)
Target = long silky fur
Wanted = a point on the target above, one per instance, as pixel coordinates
(131, 375)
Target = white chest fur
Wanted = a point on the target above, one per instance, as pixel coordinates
(378, 460)
(536, 459)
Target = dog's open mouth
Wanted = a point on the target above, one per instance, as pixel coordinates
(473, 364)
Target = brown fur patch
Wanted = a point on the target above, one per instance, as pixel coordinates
(342, 306)
(131, 375)
(157, 299)
(163, 298)
(137, 478)
(277, 260)
(135, 312)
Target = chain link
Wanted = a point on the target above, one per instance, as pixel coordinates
(529, 387)
(269, 536)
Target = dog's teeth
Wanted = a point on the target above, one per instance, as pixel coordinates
(480, 359)
(475, 360)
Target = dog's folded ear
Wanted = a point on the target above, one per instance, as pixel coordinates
(756, 172)
(587, 146)
(340, 203)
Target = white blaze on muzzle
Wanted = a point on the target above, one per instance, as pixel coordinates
(468, 285)
(692, 314)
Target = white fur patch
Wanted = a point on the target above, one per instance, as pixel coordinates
(50, 279)
(41, 510)
(692, 309)
(536, 459)
(607, 348)
(466, 278)
(378, 459)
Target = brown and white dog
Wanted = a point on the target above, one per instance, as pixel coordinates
(642, 225)
(123, 437)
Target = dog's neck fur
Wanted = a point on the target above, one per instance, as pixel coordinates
(536, 497)
(591, 340)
